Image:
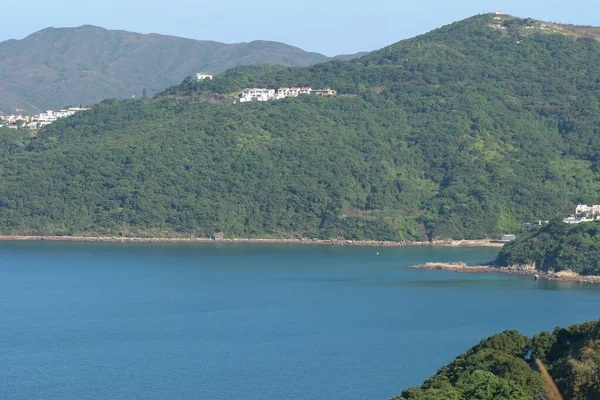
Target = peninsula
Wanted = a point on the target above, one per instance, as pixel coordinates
(557, 251)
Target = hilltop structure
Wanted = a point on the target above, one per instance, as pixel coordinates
(255, 94)
(46, 118)
(14, 119)
(200, 76)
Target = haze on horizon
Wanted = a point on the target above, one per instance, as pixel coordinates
(333, 27)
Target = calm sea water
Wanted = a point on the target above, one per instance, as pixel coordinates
(148, 321)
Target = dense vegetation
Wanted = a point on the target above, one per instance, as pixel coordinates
(557, 246)
(466, 132)
(55, 67)
(501, 367)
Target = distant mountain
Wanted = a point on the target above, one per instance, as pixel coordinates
(59, 66)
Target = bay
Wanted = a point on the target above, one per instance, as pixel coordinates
(216, 321)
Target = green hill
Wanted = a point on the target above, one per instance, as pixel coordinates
(465, 132)
(502, 368)
(59, 66)
(557, 247)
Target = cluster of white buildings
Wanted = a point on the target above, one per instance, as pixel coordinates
(261, 94)
(39, 120)
(584, 213)
(46, 118)
(12, 121)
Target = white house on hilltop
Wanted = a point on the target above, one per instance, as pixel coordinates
(200, 76)
(256, 94)
(13, 119)
(283, 92)
(288, 92)
(48, 117)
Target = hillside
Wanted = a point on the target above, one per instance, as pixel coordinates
(59, 66)
(502, 368)
(468, 131)
(558, 247)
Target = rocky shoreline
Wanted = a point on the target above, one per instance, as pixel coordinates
(521, 270)
(333, 242)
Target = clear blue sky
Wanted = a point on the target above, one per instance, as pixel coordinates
(326, 26)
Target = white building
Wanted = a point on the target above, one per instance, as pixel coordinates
(283, 92)
(324, 92)
(585, 210)
(293, 92)
(200, 76)
(48, 117)
(13, 119)
(584, 213)
(256, 94)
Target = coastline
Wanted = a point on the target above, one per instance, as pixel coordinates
(305, 241)
(519, 270)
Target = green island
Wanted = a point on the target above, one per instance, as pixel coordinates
(503, 367)
(466, 132)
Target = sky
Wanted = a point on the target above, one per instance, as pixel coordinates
(330, 27)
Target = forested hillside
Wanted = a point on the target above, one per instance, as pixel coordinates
(59, 66)
(502, 368)
(465, 132)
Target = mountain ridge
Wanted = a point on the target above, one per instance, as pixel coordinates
(54, 67)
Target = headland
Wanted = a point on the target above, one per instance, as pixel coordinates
(520, 270)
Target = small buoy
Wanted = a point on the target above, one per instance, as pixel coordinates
(377, 253)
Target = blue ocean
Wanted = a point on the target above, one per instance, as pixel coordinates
(233, 321)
